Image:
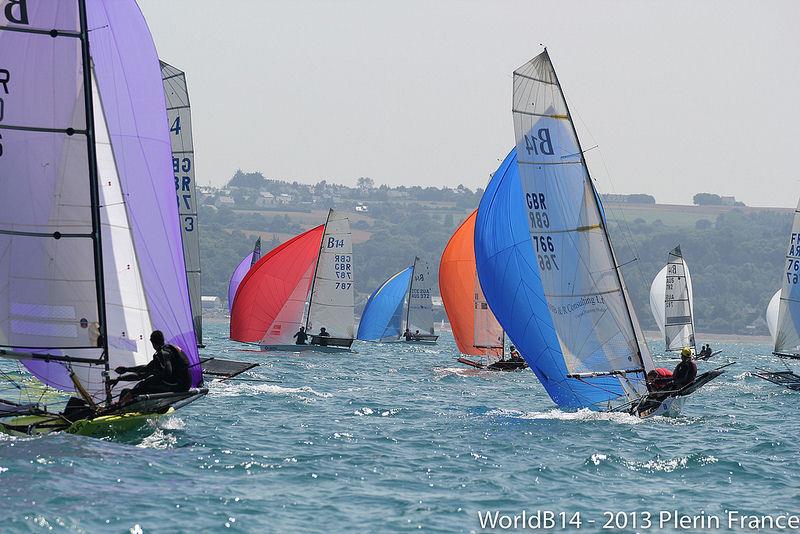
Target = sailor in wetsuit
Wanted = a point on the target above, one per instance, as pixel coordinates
(167, 372)
(686, 371)
(321, 337)
(659, 379)
(514, 354)
(407, 334)
(301, 336)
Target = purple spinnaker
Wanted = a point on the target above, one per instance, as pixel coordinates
(129, 78)
(237, 277)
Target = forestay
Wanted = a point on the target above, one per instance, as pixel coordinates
(179, 119)
(787, 338)
(593, 318)
(332, 302)
(420, 307)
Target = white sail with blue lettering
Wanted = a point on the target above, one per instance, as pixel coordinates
(671, 302)
(179, 115)
(597, 330)
(332, 302)
(420, 307)
(787, 336)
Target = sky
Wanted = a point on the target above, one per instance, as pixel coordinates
(680, 96)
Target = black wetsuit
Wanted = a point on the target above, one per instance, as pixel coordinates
(684, 373)
(167, 372)
(301, 337)
(321, 338)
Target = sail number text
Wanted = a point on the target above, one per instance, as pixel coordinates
(539, 144)
(546, 252)
(342, 268)
(793, 257)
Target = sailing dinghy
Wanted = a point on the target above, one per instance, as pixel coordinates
(784, 326)
(475, 328)
(403, 300)
(548, 270)
(92, 260)
(672, 305)
(305, 282)
(179, 119)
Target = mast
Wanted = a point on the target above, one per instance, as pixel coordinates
(600, 215)
(94, 193)
(410, 286)
(316, 266)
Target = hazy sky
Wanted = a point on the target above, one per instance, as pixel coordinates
(680, 96)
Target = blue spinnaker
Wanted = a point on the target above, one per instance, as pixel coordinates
(382, 318)
(511, 282)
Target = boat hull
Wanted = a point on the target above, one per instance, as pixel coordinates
(107, 426)
(305, 348)
(670, 407)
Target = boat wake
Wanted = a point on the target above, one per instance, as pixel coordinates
(442, 372)
(657, 464)
(583, 415)
(233, 389)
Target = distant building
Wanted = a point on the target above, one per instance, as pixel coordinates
(224, 200)
(728, 201)
(265, 199)
(361, 208)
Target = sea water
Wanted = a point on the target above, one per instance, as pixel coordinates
(402, 438)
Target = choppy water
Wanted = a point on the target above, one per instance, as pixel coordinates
(399, 438)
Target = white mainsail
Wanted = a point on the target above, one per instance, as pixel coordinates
(597, 330)
(420, 307)
(332, 302)
(180, 128)
(787, 336)
(671, 302)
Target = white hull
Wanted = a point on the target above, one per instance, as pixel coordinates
(671, 407)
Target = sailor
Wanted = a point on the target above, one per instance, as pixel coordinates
(301, 336)
(658, 379)
(323, 334)
(167, 372)
(514, 354)
(417, 335)
(407, 334)
(706, 352)
(686, 371)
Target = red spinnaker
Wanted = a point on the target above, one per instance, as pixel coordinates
(271, 288)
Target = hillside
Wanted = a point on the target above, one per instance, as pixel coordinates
(735, 253)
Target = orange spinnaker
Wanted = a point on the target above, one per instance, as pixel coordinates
(458, 284)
